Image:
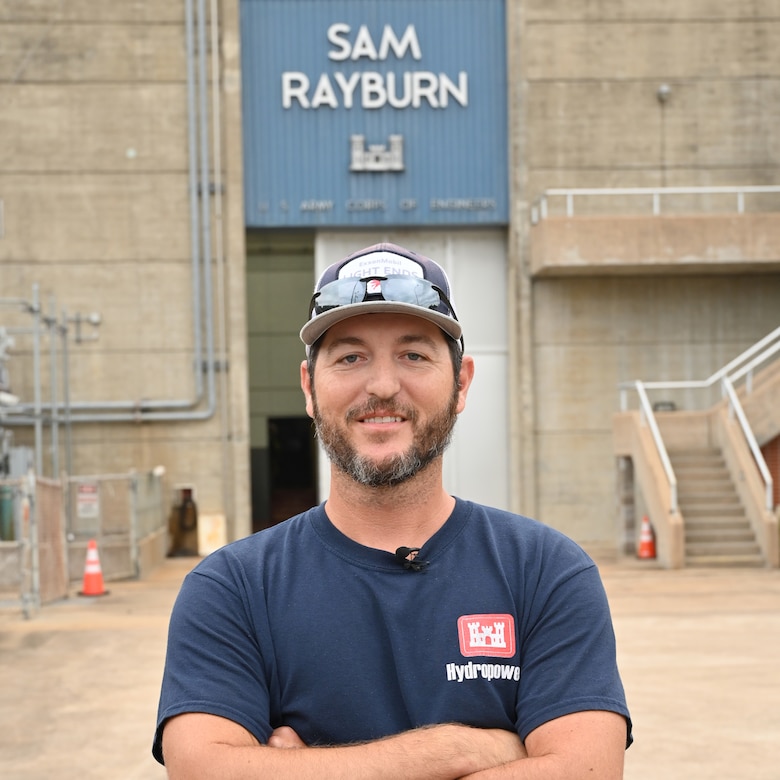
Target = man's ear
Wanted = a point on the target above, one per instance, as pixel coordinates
(465, 378)
(306, 387)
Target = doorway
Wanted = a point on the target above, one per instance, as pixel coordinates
(293, 467)
(280, 274)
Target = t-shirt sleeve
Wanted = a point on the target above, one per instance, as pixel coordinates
(214, 663)
(568, 654)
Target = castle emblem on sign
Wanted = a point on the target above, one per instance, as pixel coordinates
(376, 157)
(488, 635)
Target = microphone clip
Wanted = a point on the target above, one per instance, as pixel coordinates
(408, 557)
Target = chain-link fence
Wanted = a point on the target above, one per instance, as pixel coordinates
(124, 514)
(33, 556)
(44, 533)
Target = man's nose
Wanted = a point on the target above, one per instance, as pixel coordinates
(383, 381)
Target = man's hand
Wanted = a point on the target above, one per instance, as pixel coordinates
(285, 737)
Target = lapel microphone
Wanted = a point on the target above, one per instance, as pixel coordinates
(408, 557)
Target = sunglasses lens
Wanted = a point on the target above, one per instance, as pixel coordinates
(403, 289)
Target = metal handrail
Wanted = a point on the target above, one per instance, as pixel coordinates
(736, 406)
(539, 209)
(730, 370)
(647, 411)
(743, 365)
(747, 369)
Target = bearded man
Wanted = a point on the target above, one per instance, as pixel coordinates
(394, 631)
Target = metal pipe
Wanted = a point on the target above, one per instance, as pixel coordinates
(68, 427)
(54, 418)
(219, 246)
(35, 540)
(205, 194)
(192, 151)
(38, 421)
(66, 394)
(168, 410)
(133, 524)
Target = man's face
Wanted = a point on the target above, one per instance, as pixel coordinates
(384, 399)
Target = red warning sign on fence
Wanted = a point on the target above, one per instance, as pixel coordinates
(87, 501)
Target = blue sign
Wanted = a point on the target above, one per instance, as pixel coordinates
(365, 113)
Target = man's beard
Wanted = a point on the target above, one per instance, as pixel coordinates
(429, 443)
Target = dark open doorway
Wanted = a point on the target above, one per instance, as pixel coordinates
(284, 477)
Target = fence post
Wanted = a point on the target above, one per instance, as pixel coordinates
(133, 487)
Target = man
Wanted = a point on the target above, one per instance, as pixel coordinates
(395, 631)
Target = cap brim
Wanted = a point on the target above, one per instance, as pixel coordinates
(316, 326)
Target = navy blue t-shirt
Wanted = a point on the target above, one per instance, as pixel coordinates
(507, 626)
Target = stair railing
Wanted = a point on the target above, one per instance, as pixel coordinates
(742, 366)
(647, 415)
(735, 408)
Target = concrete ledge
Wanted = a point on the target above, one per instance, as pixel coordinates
(615, 244)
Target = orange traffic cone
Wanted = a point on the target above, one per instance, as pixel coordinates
(93, 574)
(646, 540)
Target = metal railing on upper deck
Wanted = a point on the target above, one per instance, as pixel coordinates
(742, 367)
(652, 196)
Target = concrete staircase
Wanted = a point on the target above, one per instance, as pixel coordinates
(717, 530)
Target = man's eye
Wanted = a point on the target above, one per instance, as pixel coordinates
(349, 359)
(415, 356)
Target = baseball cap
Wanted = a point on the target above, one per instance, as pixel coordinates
(384, 278)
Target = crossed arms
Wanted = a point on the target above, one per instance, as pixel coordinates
(588, 744)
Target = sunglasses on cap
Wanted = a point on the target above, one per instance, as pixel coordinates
(399, 289)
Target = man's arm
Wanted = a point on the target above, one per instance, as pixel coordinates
(198, 745)
(589, 744)
(582, 745)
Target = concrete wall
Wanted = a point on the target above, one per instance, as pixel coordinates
(585, 112)
(591, 73)
(94, 183)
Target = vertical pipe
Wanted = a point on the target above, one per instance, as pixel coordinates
(192, 143)
(35, 541)
(55, 418)
(227, 481)
(68, 426)
(205, 202)
(66, 394)
(37, 379)
(132, 489)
